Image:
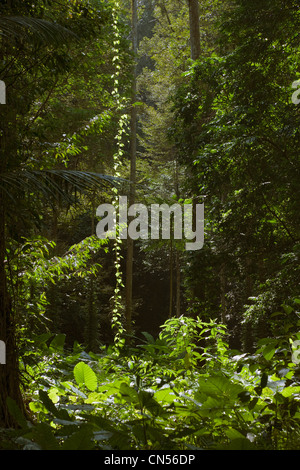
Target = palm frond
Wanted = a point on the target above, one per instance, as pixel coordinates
(55, 184)
(41, 30)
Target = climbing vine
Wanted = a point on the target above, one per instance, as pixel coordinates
(121, 102)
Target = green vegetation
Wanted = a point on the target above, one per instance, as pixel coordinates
(182, 390)
(143, 345)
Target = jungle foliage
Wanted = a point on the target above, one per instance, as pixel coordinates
(182, 390)
(211, 358)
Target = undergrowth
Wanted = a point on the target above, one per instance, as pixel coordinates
(184, 390)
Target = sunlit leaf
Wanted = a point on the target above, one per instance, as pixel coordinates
(84, 375)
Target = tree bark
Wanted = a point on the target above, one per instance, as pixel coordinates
(133, 146)
(223, 292)
(178, 282)
(194, 28)
(195, 54)
(171, 281)
(9, 372)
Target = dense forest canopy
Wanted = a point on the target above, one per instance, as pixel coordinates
(118, 343)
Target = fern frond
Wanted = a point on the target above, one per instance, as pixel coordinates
(41, 30)
(54, 184)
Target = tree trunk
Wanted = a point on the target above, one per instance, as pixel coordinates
(133, 144)
(194, 28)
(223, 292)
(171, 281)
(195, 54)
(177, 255)
(92, 319)
(178, 282)
(9, 372)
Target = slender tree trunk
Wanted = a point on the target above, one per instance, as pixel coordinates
(195, 54)
(194, 28)
(223, 293)
(178, 281)
(9, 372)
(92, 320)
(177, 254)
(223, 270)
(171, 280)
(133, 145)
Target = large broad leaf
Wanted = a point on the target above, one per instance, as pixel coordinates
(48, 403)
(43, 435)
(269, 351)
(84, 375)
(129, 393)
(211, 408)
(290, 391)
(80, 440)
(57, 344)
(150, 403)
(218, 386)
(16, 413)
(238, 444)
(165, 395)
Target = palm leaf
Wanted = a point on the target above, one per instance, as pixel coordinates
(41, 30)
(55, 184)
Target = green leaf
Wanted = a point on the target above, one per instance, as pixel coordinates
(57, 344)
(43, 435)
(290, 391)
(55, 183)
(264, 380)
(84, 375)
(239, 444)
(232, 434)
(187, 363)
(269, 351)
(287, 309)
(245, 396)
(218, 386)
(253, 403)
(148, 337)
(151, 404)
(165, 395)
(40, 30)
(48, 403)
(129, 393)
(70, 386)
(81, 440)
(16, 413)
(211, 407)
(102, 435)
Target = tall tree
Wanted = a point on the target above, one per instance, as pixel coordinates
(244, 128)
(15, 32)
(194, 28)
(9, 376)
(34, 57)
(133, 149)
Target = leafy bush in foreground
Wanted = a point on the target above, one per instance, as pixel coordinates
(183, 390)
